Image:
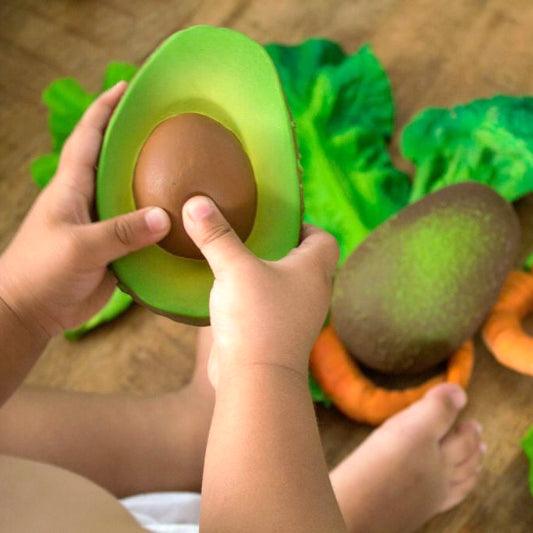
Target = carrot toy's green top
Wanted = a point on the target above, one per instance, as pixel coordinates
(527, 444)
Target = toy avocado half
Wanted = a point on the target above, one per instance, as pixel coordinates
(206, 115)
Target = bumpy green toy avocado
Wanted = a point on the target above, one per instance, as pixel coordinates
(422, 283)
(204, 115)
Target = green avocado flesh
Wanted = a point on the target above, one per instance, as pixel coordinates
(422, 283)
(228, 77)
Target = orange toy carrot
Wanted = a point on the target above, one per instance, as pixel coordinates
(362, 400)
(503, 333)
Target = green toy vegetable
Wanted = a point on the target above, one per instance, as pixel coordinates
(529, 262)
(490, 141)
(527, 444)
(116, 305)
(318, 395)
(343, 109)
(66, 101)
(423, 282)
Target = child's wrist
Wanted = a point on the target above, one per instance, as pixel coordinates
(21, 309)
(266, 380)
(235, 368)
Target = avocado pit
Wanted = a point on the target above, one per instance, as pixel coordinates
(191, 154)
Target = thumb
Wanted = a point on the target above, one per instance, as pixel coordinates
(110, 239)
(211, 232)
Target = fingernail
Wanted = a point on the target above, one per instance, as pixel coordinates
(199, 207)
(157, 220)
(121, 83)
(478, 427)
(483, 448)
(458, 397)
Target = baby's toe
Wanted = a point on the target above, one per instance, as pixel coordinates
(463, 453)
(459, 491)
(432, 415)
(461, 442)
(468, 468)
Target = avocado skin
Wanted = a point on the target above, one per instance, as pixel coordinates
(423, 282)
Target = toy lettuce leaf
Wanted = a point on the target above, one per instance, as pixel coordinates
(118, 71)
(343, 111)
(43, 168)
(66, 101)
(490, 141)
(116, 305)
(529, 262)
(527, 445)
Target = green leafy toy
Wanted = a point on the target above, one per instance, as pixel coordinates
(490, 141)
(318, 395)
(343, 109)
(527, 445)
(529, 262)
(116, 305)
(66, 101)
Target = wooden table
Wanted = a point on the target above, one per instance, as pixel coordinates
(436, 53)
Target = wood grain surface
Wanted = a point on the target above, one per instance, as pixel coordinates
(436, 53)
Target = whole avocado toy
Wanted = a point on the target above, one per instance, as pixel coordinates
(205, 114)
(421, 284)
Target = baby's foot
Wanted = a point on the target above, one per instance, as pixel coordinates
(417, 464)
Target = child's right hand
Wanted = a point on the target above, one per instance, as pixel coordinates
(262, 312)
(53, 275)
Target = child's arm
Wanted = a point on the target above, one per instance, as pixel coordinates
(264, 470)
(53, 275)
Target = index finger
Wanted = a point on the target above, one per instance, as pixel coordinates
(80, 152)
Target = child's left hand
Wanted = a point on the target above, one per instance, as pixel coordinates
(54, 273)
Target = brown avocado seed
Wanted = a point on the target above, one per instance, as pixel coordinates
(192, 154)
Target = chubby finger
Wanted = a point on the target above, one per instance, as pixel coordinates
(80, 152)
(213, 235)
(110, 239)
(319, 246)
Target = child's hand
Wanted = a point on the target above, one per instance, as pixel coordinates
(262, 313)
(264, 447)
(53, 275)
